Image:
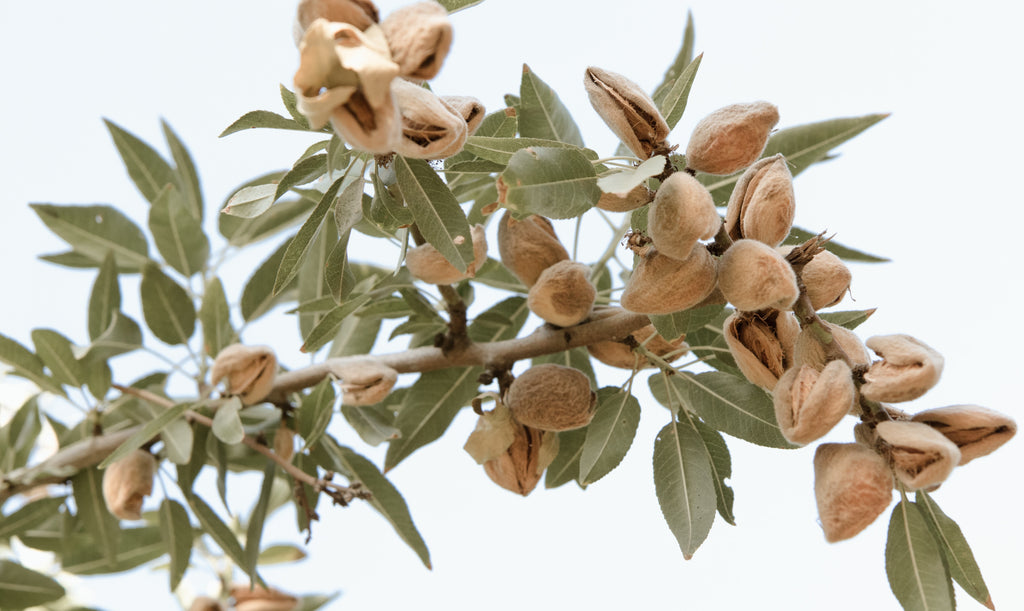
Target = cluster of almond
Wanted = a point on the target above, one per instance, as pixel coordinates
(365, 76)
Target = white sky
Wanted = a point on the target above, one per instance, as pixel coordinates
(933, 187)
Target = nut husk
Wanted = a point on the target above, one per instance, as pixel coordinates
(920, 456)
(469, 108)
(852, 486)
(809, 350)
(627, 110)
(284, 442)
(249, 370)
(624, 202)
(364, 381)
(360, 13)
(563, 294)
(621, 354)
(551, 397)
(426, 263)
(731, 138)
(753, 276)
(975, 430)
(826, 278)
(527, 247)
(908, 368)
(520, 466)
(808, 403)
(762, 344)
(661, 284)
(258, 598)
(762, 204)
(431, 129)
(420, 36)
(127, 482)
(682, 213)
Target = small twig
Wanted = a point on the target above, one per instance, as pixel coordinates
(456, 337)
(721, 241)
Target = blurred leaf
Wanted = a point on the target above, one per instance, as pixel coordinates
(29, 515)
(553, 182)
(26, 364)
(123, 335)
(374, 425)
(95, 230)
(566, 465)
(299, 245)
(98, 377)
(673, 102)
(542, 114)
(254, 531)
(55, 351)
(684, 484)
(258, 295)
(495, 275)
(436, 211)
(848, 319)
(19, 436)
(457, 5)
(177, 535)
(280, 554)
(954, 547)
(721, 467)
(178, 439)
(185, 172)
(316, 412)
(672, 326)
(167, 308)
(215, 317)
(188, 471)
(799, 236)
(147, 169)
(682, 60)
(147, 432)
(105, 298)
(217, 529)
(609, 434)
(265, 119)
(500, 149)
(227, 425)
(914, 563)
(137, 546)
(305, 171)
(178, 235)
(99, 523)
(21, 588)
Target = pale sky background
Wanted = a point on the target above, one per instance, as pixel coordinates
(934, 187)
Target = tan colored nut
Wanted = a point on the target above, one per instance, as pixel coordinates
(563, 294)
(618, 353)
(660, 284)
(258, 598)
(809, 350)
(920, 456)
(520, 466)
(249, 370)
(360, 13)
(469, 108)
(420, 36)
(975, 430)
(762, 204)
(852, 485)
(551, 397)
(426, 263)
(364, 381)
(528, 247)
(753, 276)
(627, 110)
(808, 404)
(682, 213)
(431, 129)
(908, 368)
(638, 196)
(126, 482)
(761, 344)
(205, 603)
(731, 138)
(826, 278)
(284, 442)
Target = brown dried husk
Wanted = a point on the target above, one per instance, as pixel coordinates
(753, 276)
(638, 196)
(563, 294)
(519, 468)
(527, 247)
(852, 486)
(682, 213)
(761, 344)
(371, 129)
(627, 110)
(551, 397)
(469, 108)
(908, 368)
(127, 482)
(431, 129)
(420, 36)
(808, 404)
(284, 442)
(762, 204)
(975, 430)
(731, 138)
(364, 381)
(660, 284)
(618, 352)
(359, 13)
(249, 370)
(426, 263)
(258, 598)
(920, 456)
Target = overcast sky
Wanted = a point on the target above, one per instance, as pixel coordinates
(934, 187)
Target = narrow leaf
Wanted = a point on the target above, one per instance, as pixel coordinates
(848, 319)
(299, 245)
(553, 182)
(258, 295)
(325, 330)
(121, 336)
(677, 324)
(26, 364)
(167, 308)
(280, 554)
(105, 298)
(177, 535)
(316, 412)
(21, 588)
(215, 317)
(610, 433)
(566, 465)
(147, 432)
(914, 563)
(673, 101)
(95, 230)
(150, 172)
(437, 213)
(798, 236)
(178, 439)
(684, 485)
(178, 234)
(683, 59)
(721, 467)
(959, 557)
(305, 171)
(20, 435)
(55, 351)
(457, 5)
(185, 173)
(29, 516)
(99, 523)
(217, 529)
(254, 532)
(250, 202)
(500, 150)
(542, 114)
(373, 425)
(137, 546)
(282, 215)
(265, 119)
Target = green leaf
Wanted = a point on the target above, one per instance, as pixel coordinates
(19, 436)
(227, 425)
(305, 171)
(437, 213)
(147, 432)
(849, 319)
(914, 562)
(167, 308)
(250, 202)
(374, 425)
(185, 172)
(178, 440)
(55, 351)
(281, 216)
(105, 298)
(721, 467)
(677, 324)
(553, 182)
(299, 245)
(99, 377)
(217, 529)
(385, 498)
(99, 523)
(312, 275)
(954, 547)
(258, 295)
(137, 546)
(26, 364)
(316, 412)
(178, 235)
(291, 104)
(542, 114)
(254, 531)
(799, 236)
(457, 5)
(29, 516)
(609, 434)
(682, 60)
(500, 149)
(177, 534)
(95, 230)
(150, 172)
(264, 119)
(685, 485)
(566, 465)
(325, 330)
(215, 317)
(280, 554)
(355, 336)
(21, 588)
(121, 336)
(338, 277)
(673, 103)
